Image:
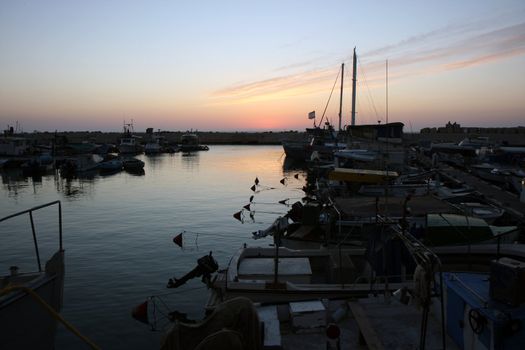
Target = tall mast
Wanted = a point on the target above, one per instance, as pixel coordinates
(386, 94)
(354, 80)
(341, 96)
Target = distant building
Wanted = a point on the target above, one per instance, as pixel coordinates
(455, 128)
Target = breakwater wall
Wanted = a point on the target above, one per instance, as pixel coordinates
(206, 137)
(515, 137)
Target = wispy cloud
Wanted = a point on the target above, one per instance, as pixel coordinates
(282, 86)
(449, 48)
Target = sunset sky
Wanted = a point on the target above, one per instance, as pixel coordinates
(258, 65)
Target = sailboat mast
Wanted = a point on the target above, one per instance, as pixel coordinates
(354, 80)
(341, 95)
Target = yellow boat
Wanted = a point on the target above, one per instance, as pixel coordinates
(361, 175)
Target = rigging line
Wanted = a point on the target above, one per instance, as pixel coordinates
(329, 97)
(369, 96)
(178, 291)
(212, 234)
(265, 203)
(157, 309)
(268, 212)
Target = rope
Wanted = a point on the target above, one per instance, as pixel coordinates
(369, 96)
(327, 102)
(211, 234)
(49, 309)
(178, 291)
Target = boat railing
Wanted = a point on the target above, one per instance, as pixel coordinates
(30, 212)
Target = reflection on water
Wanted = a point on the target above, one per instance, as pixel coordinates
(135, 172)
(119, 229)
(75, 187)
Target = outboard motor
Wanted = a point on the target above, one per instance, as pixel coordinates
(206, 265)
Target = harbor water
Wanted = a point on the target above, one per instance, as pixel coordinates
(119, 230)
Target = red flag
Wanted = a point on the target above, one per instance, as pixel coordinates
(178, 240)
(237, 215)
(247, 207)
(256, 181)
(140, 312)
(253, 188)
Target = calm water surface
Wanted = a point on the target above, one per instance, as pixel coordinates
(118, 232)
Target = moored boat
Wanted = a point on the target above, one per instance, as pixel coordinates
(80, 164)
(132, 164)
(189, 142)
(24, 322)
(128, 142)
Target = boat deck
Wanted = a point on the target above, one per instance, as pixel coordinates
(394, 325)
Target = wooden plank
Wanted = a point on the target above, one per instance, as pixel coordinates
(365, 328)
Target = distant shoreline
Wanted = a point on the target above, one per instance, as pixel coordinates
(513, 136)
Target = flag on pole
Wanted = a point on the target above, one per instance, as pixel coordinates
(311, 115)
(140, 312)
(178, 240)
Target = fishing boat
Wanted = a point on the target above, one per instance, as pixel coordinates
(155, 142)
(30, 300)
(129, 143)
(189, 142)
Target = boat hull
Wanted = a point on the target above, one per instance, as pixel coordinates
(25, 323)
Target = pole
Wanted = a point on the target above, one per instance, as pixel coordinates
(341, 95)
(354, 80)
(387, 94)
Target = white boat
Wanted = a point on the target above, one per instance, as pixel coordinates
(300, 275)
(448, 193)
(24, 322)
(399, 189)
(155, 142)
(190, 142)
(80, 164)
(487, 212)
(152, 147)
(490, 172)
